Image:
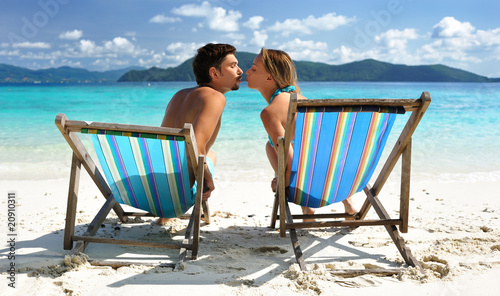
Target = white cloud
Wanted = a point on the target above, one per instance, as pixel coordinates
(65, 62)
(42, 55)
(27, 44)
(396, 39)
(306, 50)
(345, 54)
(118, 46)
(310, 24)
(179, 52)
(254, 22)
(217, 17)
(221, 21)
(154, 60)
(10, 52)
(450, 42)
(390, 46)
(193, 9)
(174, 54)
(449, 27)
(489, 38)
(107, 63)
(89, 48)
(398, 34)
(71, 35)
(259, 38)
(441, 50)
(162, 19)
(178, 47)
(456, 41)
(297, 45)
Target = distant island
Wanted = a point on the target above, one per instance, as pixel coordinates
(13, 74)
(369, 70)
(366, 70)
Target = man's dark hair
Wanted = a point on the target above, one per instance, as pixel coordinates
(210, 55)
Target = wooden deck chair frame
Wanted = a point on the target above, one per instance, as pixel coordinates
(402, 149)
(69, 129)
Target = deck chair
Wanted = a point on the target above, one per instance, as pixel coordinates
(337, 145)
(144, 167)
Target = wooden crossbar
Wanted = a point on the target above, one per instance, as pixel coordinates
(77, 126)
(408, 104)
(104, 240)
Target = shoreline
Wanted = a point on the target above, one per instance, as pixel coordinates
(454, 230)
(230, 167)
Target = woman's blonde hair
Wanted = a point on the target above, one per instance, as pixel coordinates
(281, 67)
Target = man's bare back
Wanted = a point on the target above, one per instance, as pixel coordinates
(202, 106)
(216, 70)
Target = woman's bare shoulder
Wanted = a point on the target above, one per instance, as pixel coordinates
(301, 97)
(286, 96)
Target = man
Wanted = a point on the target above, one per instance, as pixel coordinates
(216, 70)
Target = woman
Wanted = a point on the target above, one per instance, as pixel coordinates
(273, 74)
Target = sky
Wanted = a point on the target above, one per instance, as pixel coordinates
(102, 35)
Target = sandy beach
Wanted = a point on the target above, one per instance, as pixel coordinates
(454, 231)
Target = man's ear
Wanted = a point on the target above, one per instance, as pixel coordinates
(212, 72)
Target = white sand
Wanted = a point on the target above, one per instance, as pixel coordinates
(454, 231)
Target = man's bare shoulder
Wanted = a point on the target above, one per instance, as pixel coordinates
(184, 92)
(198, 94)
(206, 93)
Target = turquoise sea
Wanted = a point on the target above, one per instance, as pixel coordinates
(459, 137)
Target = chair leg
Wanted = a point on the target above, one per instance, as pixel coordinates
(74, 180)
(196, 231)
(365, 207)
(295, 241)
(95, 224)
(274, 214)
(187, 237)
(393, 232)
(281, 186)
(206, 211)
(197, 207)
(405, 187)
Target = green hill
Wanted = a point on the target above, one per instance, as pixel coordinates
(366, 70)
(13, 74)
(183, 72)
(372, 70)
